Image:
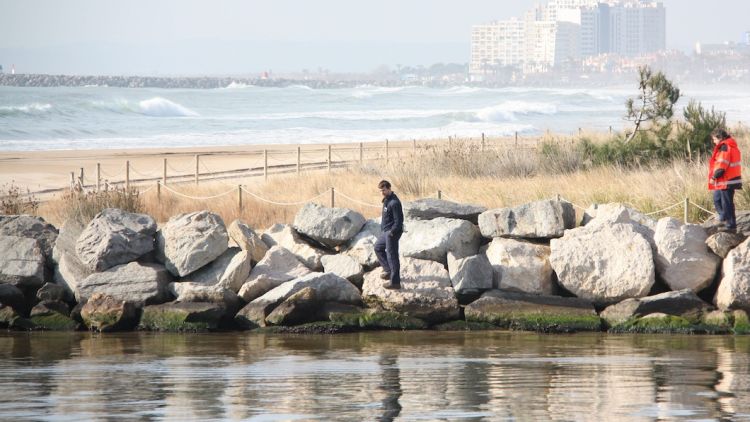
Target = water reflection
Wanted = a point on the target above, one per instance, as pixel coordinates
(372, 376)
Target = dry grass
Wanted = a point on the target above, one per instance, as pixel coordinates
(496, 178)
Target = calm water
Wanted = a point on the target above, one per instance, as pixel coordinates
(371, 376)
(102, 117)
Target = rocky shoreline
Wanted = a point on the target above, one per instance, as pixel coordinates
(464, 267)
(205, 82)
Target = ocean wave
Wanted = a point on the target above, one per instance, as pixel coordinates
(32, 108)
(509, 110)
(238, 85)
(161, 107)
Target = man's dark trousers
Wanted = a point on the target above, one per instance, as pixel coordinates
(386, 248)
(724, 204)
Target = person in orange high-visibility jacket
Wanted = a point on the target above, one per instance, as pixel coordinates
(725, 176)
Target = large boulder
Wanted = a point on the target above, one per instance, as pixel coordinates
(614, 213)
(431, 208)
(105, 313)
(328, 287)
(524, 311)
(285, 236)
(70, 271)
(604, 264)
(329, 226)
(248, 240)
(426, 291)
(734, 288)
(53, 293)
(32, 227)
(362, 246)
(521, 266)
(683, 303)
(278, 266)
(142, 284)
(229, 271)
(192, 240)
(713, 225)
(192, 292)
(115, 237)
(433, 239)
(537, 220)
(682, 258)
(66, 239)
(22, 261)
(345, 267)
(470, 275)
(182, 316)
(721, 243)
(298, 308)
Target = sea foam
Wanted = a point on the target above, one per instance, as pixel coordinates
(161, 107)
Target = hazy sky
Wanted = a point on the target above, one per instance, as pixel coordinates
(233, 36)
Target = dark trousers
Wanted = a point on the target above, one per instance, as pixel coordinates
(724, 204)
(386, 248)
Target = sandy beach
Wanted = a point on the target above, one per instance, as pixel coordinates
(45, 172)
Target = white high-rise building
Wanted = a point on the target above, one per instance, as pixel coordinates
(636, 27)
(497, 44)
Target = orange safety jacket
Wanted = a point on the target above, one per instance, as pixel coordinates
(725, 167)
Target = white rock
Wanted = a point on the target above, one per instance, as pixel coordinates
(248, 240)
(521, 266)
(330, 226)
(344, 267)
(278, 266)
(430, 208)
(469, 275)
(362, 246)
(426, 291)
(537, 220)
(193, 240)
(285, 236)
(682, 258)
(115, 237)
(21, 262)
(142, 284)
(433, 239)
(734, 288)
(229, 271)
(604, 264)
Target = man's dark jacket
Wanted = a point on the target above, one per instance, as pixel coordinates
(392, 221)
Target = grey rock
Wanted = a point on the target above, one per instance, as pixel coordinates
(734, 288)
(362, 246)
(66, 240)
(115, 237)
(682, 303)
(193, 240)
(328, 288)
(683, 260)
(431, 208)
(433, 239)
(141, 284)
(344, 267)
(329, 226)
(248, 240)
(470, 275)
(285, 236)
(21, 262)
(51, 315)
(192, 292)
(278, 266)
(604, 264)
(426, 292)
(13, 297)
(723, 242)
(299, 308)
(32, 227)
(182, 316)
(537, 220)
(229, 271)
(521, 266)
(53, 292)
(70, 271)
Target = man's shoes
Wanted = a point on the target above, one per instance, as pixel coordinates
(392, 286)
(385, 276)
(729, 230)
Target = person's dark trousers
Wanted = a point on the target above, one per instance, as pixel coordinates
(386, 248)
(724, 203)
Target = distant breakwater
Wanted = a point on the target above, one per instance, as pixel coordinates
(207, 82)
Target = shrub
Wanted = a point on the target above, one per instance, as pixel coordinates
(15, 201)
(694, 134)
(84, 206)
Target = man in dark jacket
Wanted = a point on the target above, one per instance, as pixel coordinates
(392, 226)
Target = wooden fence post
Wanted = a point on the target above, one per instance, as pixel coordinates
(516, 138)
(72, 180)
(440, 194)
(265, 164)
(361, 153)
(299, 159)
(127, 175)
(686, 210)
(386, 151)
(239, 198)
(98, 176)
(197, 161)
(158, 191)
(164, 173)
(333, 197)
